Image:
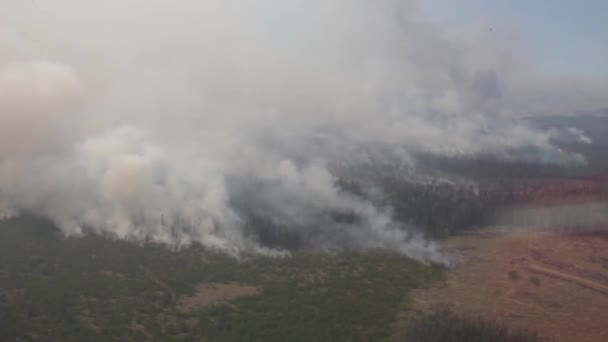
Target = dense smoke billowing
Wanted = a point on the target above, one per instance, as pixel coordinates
(187, 121)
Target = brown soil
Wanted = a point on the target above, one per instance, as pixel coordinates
(209, 294)
(554, 284)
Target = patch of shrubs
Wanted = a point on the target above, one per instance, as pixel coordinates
(445, 326)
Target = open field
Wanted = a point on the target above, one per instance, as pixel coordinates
(556, 284)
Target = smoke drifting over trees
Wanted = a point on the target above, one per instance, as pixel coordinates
(186, 122)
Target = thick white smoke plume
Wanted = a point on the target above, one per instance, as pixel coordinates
(180, 121)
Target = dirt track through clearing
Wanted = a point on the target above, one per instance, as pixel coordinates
(555, 284)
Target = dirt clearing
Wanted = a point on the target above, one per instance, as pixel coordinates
(555, 284)
(209, 294)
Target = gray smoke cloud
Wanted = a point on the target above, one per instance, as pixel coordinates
(176, 122)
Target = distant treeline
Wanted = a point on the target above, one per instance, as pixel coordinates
(460, 194)
(440, 197)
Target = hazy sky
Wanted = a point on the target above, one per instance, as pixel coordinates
(568, 36)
